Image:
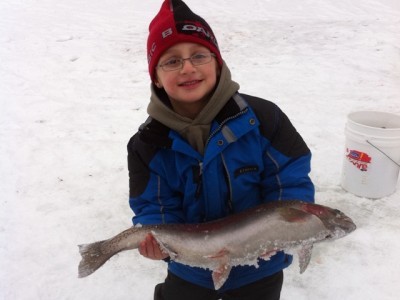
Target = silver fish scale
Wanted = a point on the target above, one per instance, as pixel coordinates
(252, 238)
(238, 239)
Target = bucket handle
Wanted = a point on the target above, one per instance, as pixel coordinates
(380, 150)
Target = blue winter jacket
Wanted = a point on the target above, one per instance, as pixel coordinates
(253, 155)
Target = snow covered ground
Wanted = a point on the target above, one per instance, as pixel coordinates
(74, 87)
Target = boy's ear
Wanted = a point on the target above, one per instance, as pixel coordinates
(157, 82)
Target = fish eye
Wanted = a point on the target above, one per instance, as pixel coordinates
(337, 212)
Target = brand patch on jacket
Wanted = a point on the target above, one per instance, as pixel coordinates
(245, 170)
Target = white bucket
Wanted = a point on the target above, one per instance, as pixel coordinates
(372, 161)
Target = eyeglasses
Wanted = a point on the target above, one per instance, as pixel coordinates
(177, 63)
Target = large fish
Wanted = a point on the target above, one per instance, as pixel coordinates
(238, 239)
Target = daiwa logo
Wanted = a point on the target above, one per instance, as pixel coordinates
(191, 27)
(359, 159)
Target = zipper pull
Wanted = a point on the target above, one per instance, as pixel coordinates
(198, 176)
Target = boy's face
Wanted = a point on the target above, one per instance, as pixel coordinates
(188, 88)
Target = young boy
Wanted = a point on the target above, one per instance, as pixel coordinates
(207, 151)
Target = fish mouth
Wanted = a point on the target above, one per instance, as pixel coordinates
(348, 225)
(343, 226)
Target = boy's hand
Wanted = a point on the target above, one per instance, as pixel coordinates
(149, 248)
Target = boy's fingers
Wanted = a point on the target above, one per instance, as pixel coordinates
(150, 248)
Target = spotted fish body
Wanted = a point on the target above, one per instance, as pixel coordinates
(238, 239)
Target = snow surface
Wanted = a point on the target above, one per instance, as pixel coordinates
(74, 87)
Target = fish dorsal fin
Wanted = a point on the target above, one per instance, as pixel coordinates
(291, 214)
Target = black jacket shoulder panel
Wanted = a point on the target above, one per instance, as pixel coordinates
(276, 127)
(139, 173)
(154, 133)
(142, 147)
(267, 113)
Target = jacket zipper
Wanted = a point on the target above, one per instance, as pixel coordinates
(199, 180)
(199, 184)
(223, 123)
(229, 184)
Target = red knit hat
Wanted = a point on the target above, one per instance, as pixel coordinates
(176, 23)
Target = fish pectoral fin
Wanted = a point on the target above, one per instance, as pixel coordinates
(173, 255)
(220, 275)
(304, 256)
(165, 249)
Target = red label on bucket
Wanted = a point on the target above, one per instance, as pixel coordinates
(359, 159)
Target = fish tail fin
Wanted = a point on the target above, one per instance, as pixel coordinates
(92, 258)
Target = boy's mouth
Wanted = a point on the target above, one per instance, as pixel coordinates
(189, 83)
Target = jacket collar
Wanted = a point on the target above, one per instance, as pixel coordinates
(157, 134)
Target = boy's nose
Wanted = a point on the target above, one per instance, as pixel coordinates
(187, 65)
